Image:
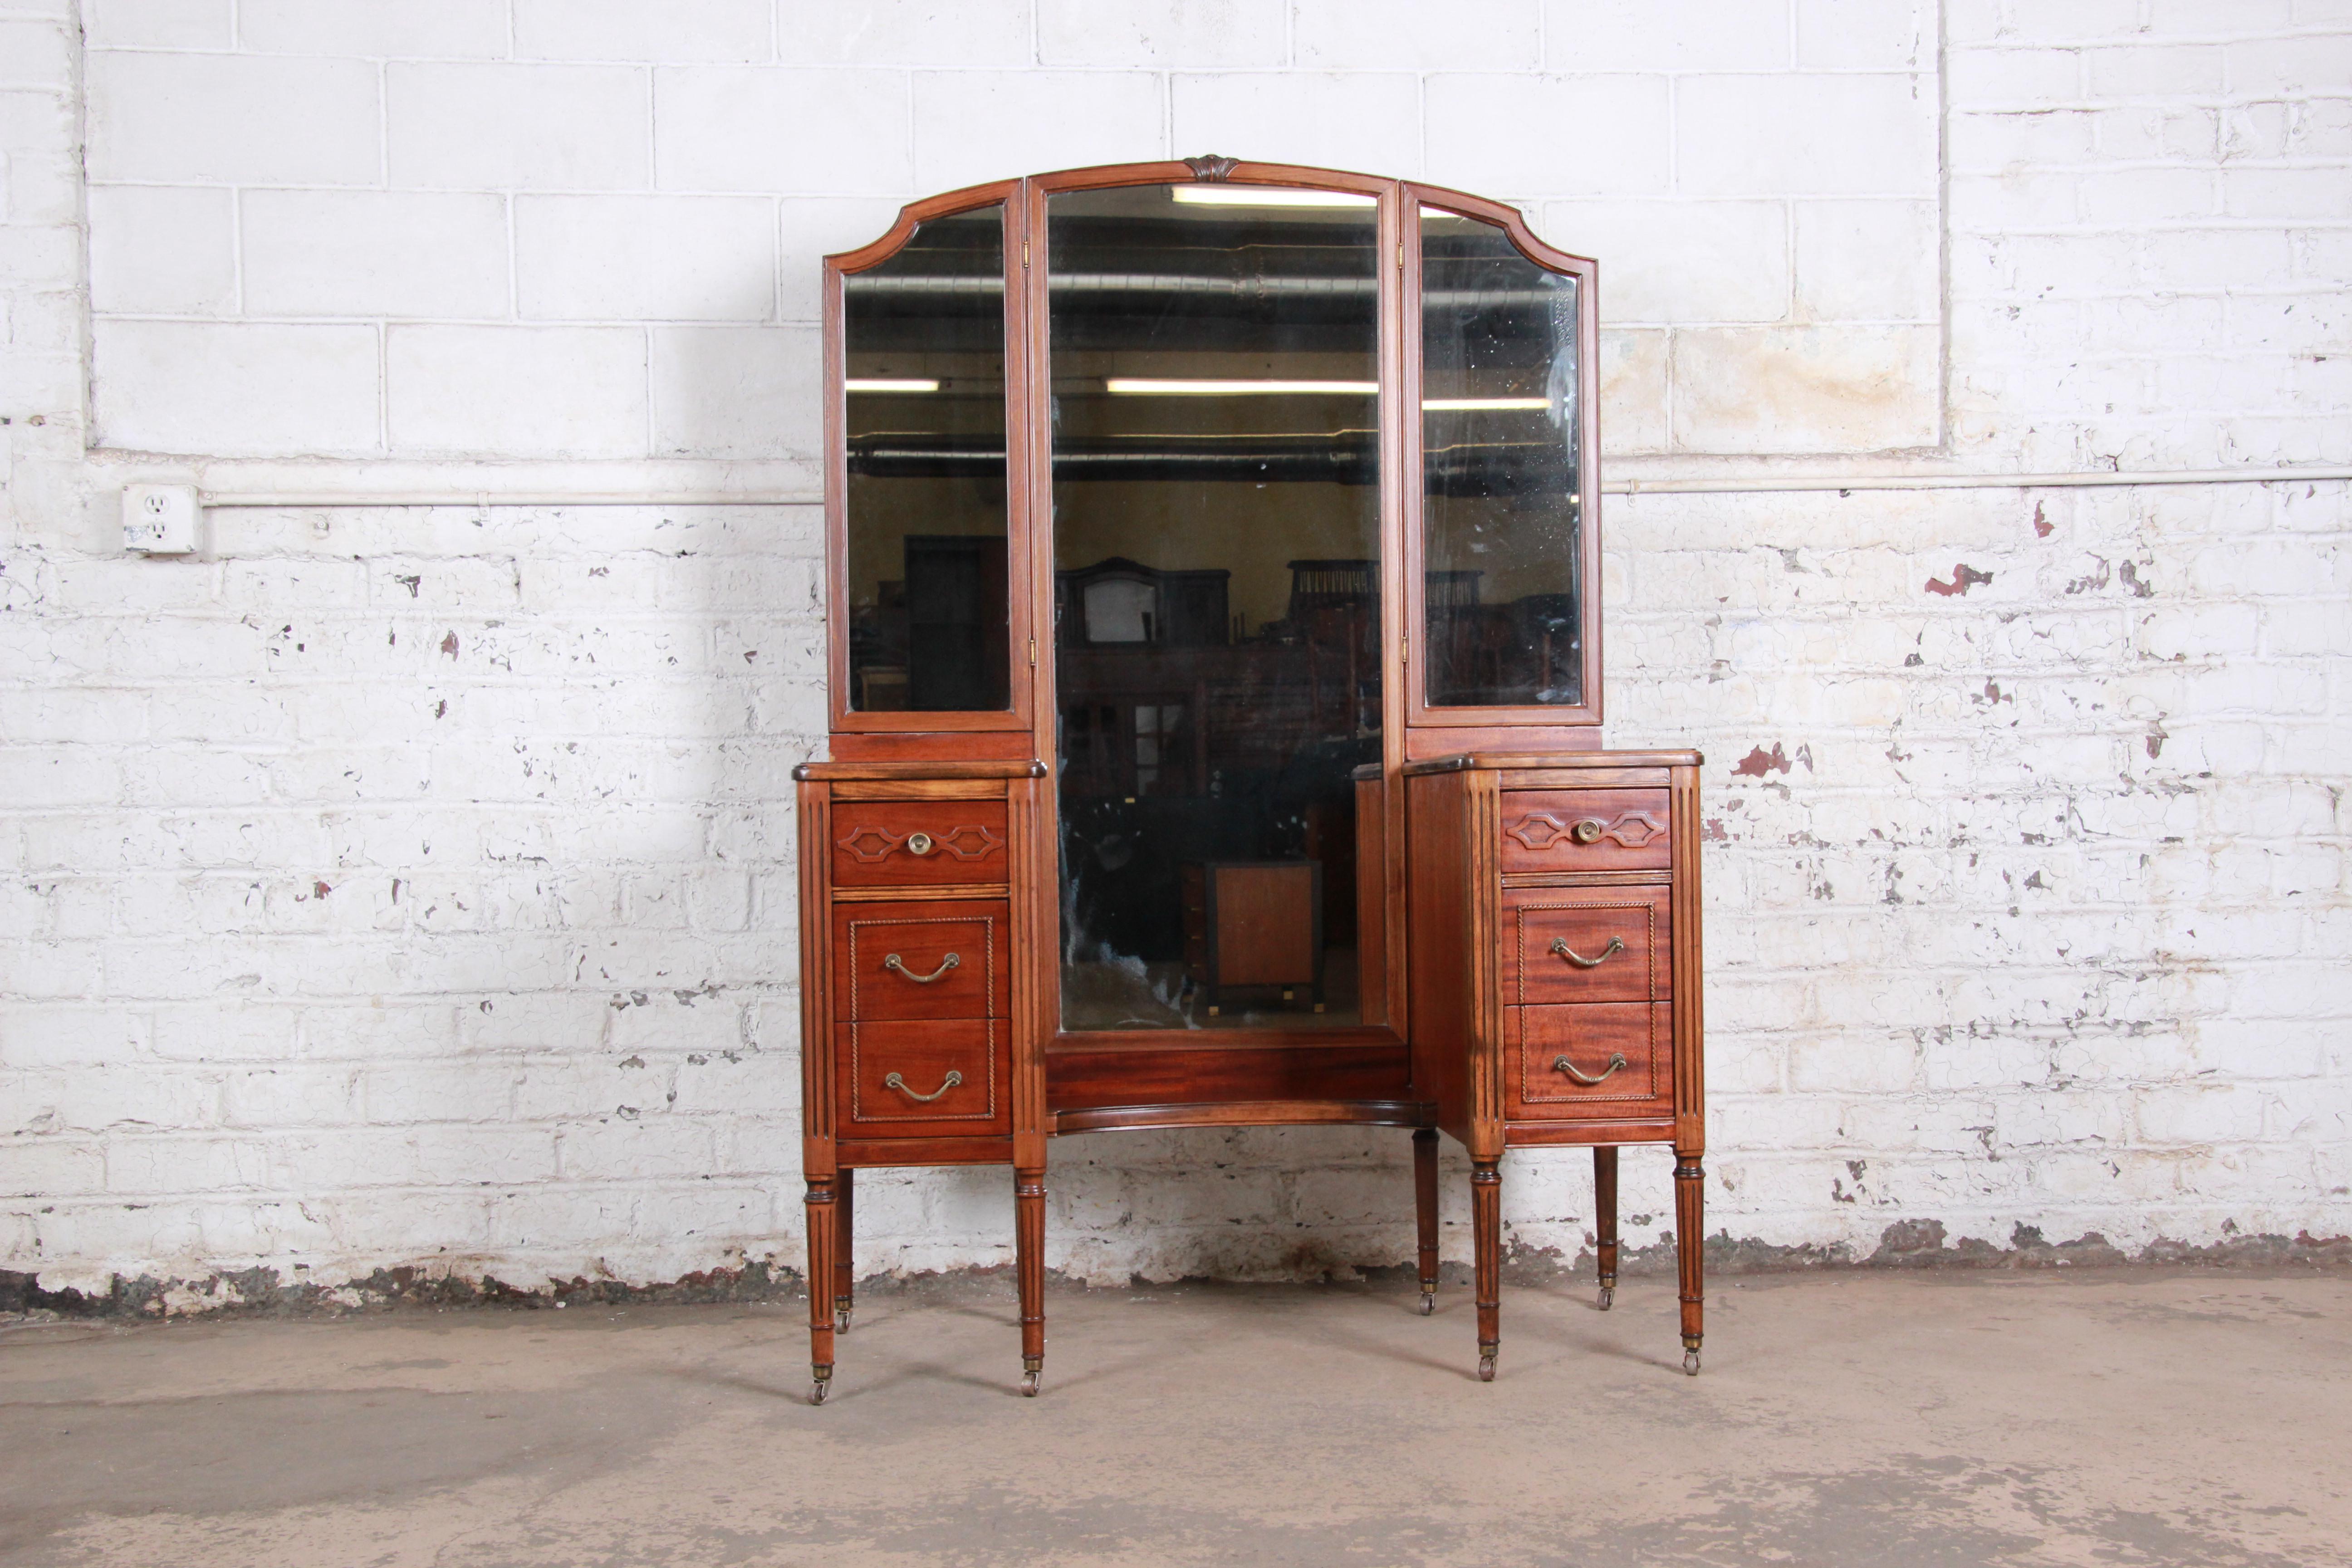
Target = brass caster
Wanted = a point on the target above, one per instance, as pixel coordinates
(1607, 1295)
(1690, 1362)
(840, 1319)
(1032, 1373)
(1487, 1367)
(820, 1383)
(1428, 1299)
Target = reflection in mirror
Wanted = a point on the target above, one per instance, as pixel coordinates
(924, 352)
(1216, 552)
(1502, 592)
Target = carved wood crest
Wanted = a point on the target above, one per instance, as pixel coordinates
(1210, 166)
(1539, 830)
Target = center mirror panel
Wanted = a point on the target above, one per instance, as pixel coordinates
(1216, 478)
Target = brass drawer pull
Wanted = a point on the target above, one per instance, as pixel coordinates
(955, 1078)
(1561, 1064)
(895, 961)
(1588, 831)
(918, 844)
(1559, 945)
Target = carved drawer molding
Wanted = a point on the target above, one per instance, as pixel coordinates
(1540, 830)
(970, 841)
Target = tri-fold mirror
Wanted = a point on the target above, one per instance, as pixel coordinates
(1225, 494)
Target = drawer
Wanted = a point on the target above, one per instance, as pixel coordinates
(1590, 1038)
(943, 959)
(911, 843)
(1608, 944)
(925, 1077)
(1585, 830)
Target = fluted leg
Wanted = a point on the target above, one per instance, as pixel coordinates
(1605, 1218)
(1487, 1225)
(1424, 1212)
(1690, 1230)
(844, 1270)
(823, 1240)
(1029, 1262)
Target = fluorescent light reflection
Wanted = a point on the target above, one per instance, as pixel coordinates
(1145, 386)
(1148, 386)
(1267, 196)
(890, 383)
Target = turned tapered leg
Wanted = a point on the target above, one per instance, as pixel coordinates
(844, 1264)
(1424, 1212)
(1486, 1227)
(1690, 1223)
(1029, 1263)
(1605, 1218)
(823, 1239)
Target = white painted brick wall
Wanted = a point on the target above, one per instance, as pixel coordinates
(621, 164)
(414, 886)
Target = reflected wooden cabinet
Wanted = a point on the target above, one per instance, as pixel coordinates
(1254, 923)
(1215, 679)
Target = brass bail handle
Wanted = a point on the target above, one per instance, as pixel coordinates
(1561, 1064)
(898, 964)
(1559, 945)
(953, 1079)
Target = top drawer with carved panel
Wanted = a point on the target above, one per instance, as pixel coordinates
(1585, 830)
(919, 842)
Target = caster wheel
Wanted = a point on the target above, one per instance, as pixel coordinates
(818, 1389)
(1607, 1295)
(1428, 1303)
(1029, 1381)
(1690, 1362)
(841, 1321)
(1486, 1369)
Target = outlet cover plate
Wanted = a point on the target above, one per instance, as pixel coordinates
(159, 519)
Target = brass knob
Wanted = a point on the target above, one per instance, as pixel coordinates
(920, 843)
(1586, 831)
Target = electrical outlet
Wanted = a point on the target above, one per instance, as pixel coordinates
(159, 519)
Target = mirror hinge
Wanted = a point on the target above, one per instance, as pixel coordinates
(1033, 652)
(1400, 256)
(1024, 256)
(1404, 649)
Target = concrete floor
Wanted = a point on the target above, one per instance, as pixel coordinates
(1868, 1418)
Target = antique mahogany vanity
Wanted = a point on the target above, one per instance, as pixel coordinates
(1215, 664)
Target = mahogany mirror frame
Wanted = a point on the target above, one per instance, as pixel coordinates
(1020, 715)
(1420, 714)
